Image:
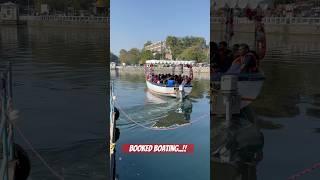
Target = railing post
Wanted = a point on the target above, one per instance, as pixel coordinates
(10, 108)
(4, 163)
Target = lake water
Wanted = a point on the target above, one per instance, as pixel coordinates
(288, 108)
(59, 88)
(147, 111)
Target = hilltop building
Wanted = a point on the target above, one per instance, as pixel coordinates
(160, 47)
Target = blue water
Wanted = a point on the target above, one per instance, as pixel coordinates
(146, 109)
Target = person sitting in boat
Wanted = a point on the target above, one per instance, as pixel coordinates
(225, 57)
(235, 51)
(170, 82)
(156, 79)
(188, 80)
(214, 55)
(247, 62)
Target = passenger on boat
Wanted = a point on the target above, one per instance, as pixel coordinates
(225, 57)
(235, 51)
(214, 55)
(170, 83)
(247, 62)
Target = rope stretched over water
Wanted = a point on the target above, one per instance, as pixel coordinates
(38, 154)
(305, 171)
(156, 129)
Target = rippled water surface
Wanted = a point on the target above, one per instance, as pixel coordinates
(146, 112)
(59, 88)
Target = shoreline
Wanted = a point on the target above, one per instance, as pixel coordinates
(66, 21)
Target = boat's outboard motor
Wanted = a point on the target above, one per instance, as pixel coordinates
(181, 92)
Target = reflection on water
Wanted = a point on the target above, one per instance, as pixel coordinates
(178, 116)
(59, 88)
(288, 106)
(236, 150)
(155, 119)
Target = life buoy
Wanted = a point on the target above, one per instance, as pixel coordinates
(261, 45)
(261, 49)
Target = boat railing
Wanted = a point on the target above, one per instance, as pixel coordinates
(6, 127)
(164, 85)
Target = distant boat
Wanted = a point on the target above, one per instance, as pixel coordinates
(177, 90)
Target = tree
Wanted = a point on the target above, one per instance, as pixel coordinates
(147, 43)
(114, 58)
(123, 56)
(175, 46)
(194, 53)
(145, 55)
(178, 45)
(157, 56)
(133, 56)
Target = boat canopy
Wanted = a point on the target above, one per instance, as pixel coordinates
(169, 62)
(242, 4)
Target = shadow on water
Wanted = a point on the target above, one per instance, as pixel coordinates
(158, 112)
(89, 166)
(236, 150)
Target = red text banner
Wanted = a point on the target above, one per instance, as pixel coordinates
(158, 148)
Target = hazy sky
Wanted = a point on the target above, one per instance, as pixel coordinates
(133, 22)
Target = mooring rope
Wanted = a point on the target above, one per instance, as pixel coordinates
(157, 129)
(38, 154)
(305, 171)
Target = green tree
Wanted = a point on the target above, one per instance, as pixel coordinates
(114, 58)
(157, 56)
(147, 43)
(175, 46)
(134, 56)
(194, 53)
(145, 55)
(179, 45)
(123, 57)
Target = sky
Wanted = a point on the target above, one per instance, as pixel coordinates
(134, 22)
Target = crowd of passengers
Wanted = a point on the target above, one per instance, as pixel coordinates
(170, 80)
(239, 59)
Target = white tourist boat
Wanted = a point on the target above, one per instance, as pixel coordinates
(249, 85)
(177, 91)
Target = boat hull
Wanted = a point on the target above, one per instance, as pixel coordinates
(249, 88)
(167, 91)
(249, 91)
